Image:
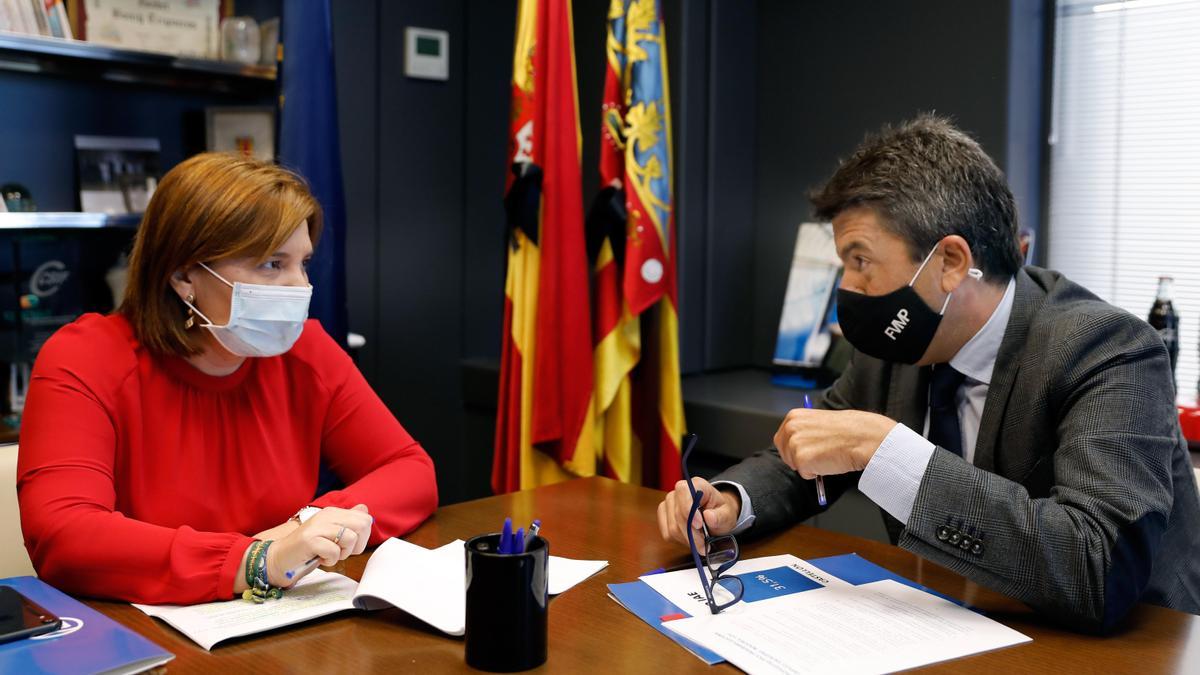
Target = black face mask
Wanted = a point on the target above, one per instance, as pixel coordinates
(894, 327)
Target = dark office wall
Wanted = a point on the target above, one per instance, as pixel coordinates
(419, 243)
(829, 72)
(356, 61)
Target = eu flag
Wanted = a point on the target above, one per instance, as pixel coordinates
(308, 145)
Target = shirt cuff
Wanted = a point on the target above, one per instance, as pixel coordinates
(746, 515)
(893, 476)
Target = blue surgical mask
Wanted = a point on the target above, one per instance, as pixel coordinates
(264, 320)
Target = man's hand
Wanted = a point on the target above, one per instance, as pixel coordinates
(718, 507)
(829, 442)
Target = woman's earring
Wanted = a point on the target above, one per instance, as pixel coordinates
(191, 320)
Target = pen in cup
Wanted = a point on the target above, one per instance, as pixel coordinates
(506, 535)
(530, 534)
(820, 481)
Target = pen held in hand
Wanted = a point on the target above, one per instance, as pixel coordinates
(303, 569)
(820, 481)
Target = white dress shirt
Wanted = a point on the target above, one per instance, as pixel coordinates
(893, 476)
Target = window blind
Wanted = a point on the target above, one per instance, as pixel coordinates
(1124, 203)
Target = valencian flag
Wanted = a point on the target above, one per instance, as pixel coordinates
(308, 144)
(631, 242)
(544, 422)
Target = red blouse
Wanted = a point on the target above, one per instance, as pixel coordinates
(140, 477)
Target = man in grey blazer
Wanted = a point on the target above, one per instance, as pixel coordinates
(1012, 426)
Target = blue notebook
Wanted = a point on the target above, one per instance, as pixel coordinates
(649, 606)
(88, 641)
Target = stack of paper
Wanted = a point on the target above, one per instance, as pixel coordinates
(797, 617)
(428, 584)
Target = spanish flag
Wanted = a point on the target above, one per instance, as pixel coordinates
(545, 417)
(631, 243)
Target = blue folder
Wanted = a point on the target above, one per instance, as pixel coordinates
(88, 641)
(639, 598)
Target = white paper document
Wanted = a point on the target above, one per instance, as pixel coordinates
(762, 579)
(873, 628)
(318, 594)
(428, 584)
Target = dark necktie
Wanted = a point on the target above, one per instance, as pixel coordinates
(944, 430)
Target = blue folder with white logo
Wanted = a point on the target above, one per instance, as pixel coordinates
(88, 641)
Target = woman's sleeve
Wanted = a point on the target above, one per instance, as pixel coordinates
(381, 464)
(67, 493)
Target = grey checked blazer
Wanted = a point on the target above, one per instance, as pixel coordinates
(1081, 500)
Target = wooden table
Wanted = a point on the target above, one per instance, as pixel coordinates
(598, 518)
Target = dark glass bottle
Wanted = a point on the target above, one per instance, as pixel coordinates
(1164, 319)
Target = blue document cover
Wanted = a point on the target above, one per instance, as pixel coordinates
(88, 641)
(654, 609)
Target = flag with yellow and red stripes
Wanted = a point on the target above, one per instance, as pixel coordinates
(544, 425)
(631, 235)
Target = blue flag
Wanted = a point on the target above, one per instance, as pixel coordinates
(309, 145)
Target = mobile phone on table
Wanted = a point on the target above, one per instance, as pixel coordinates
(21, 617)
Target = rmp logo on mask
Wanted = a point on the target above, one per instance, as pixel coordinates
(898, 324)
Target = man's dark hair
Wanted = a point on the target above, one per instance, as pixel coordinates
(927, 180)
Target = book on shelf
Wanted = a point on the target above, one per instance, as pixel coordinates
(38, 11)
(7, 23)
(35, 17)
(20, 17)
(56, 18)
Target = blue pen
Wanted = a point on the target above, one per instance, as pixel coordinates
(303, 569)
(530, 534)
(518, 545)
(506, 537)
(820, 481)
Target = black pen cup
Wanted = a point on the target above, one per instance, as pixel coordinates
(507, 598)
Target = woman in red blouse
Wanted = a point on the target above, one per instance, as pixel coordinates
(162, 443)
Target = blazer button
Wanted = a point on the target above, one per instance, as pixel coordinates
(943, 533)
(966, 542)
(977, 547)
(955, 537)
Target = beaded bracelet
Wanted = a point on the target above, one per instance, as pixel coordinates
(258, 585)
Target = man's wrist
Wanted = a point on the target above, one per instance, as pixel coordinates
(867, 450)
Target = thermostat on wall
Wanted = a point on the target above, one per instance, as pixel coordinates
(427, 53)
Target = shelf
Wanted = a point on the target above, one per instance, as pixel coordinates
(48, 220)
(57, 56)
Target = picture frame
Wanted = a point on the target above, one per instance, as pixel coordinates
(809, 309)
(244, 130)
(117, 175)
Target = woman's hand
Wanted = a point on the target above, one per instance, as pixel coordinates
(333, 534)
